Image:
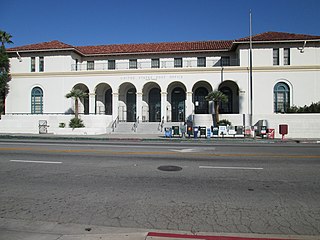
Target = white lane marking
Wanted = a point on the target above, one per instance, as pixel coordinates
(239, 168)
(188, 150)
(30, 161)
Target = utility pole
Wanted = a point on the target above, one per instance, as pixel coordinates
(250, 74)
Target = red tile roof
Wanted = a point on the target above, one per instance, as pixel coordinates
(278, 36)
(156, 47)
(166, 47)
(53, 45)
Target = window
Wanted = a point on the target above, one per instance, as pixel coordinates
(36, 101)
(41, 64)
(133, 64)
(281, 97)
(33, 64)
(225, 61)
(286, 56)
(201, 62)
(90, 65)
(77, 64)
(111, 64)
(178, 62)
(155, 63)
(276, 56)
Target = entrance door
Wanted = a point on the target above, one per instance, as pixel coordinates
(200, 102)
(131, 105)
(178, 97)
(154, 105)
(108, 102)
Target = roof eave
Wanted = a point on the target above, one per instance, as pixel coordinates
(278, 41)
(149, 53)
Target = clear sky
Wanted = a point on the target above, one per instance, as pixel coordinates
(96, 22)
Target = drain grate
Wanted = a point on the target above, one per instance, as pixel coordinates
(170, 168)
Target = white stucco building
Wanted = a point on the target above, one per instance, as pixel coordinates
(156, 82)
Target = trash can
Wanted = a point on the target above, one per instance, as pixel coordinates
(215, 131)
(203, 131)
(167, 132)
(175, 130)
(195, 132)
(208, 133)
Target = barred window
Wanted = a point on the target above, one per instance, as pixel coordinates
(201, 62)
(155, 63)
(178, 62)
(41, 64)
(276, 56)
(286, 56)
(111, 64)
(225, 61)
(90, 65)
(33, 64)
(133, 64)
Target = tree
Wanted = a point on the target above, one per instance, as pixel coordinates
(76, 94)
(216, 97)
(5, 38)
(4, 69)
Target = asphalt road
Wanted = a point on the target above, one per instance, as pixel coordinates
(231, 188)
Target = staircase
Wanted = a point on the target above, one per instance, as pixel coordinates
(143, 127)
(124, 128)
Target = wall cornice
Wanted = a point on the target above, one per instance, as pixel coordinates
(231, 69)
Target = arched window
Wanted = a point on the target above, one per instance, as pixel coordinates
(36, 101)
(281, 97)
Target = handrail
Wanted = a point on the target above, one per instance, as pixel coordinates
(135, 125)
(115, 123)
(160, 127)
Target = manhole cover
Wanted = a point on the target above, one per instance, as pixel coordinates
(169, 168)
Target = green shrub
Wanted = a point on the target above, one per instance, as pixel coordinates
(224, 122)
(62, 125)
(312, 108)
(76, 123)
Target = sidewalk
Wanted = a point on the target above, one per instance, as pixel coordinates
(153, 137)
(11, 229)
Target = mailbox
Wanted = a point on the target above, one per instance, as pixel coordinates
(283, 129)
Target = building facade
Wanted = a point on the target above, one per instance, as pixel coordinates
(166, 82)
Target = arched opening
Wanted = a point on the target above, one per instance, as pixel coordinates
(154, 105)
(131, 97)
(178, 97)
(36, 101)
(201, 105)
(200, 90)
(103, 99)
(231, 90)
(108, 102)
(83, 103)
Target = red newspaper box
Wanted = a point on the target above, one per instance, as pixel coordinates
(283, 130)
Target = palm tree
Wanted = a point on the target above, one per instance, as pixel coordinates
(217, 97)
(5, 38)
(76, 94)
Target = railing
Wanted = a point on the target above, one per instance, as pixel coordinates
(160, 127)
(124, 65)
(135, 125)
(115, 123)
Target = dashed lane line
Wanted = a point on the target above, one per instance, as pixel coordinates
(32, 161)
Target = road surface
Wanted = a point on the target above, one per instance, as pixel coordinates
(207, 187)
